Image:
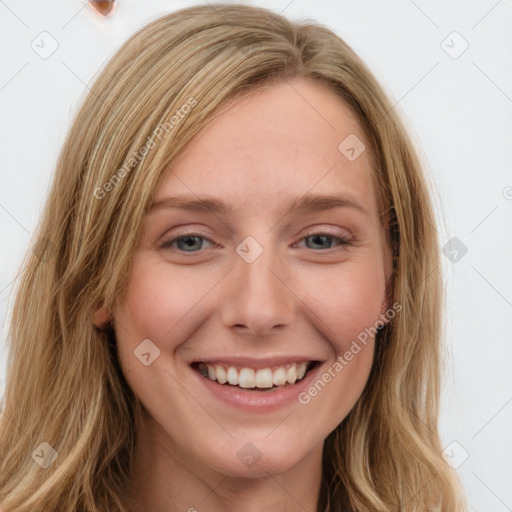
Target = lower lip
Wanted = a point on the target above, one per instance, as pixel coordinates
(258, 401)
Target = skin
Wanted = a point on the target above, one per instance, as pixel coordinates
(302, 295)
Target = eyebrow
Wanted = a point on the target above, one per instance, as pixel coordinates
(306, 204)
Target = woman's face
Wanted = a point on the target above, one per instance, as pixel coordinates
(255, 289)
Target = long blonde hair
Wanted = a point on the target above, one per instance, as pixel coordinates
(65, 391)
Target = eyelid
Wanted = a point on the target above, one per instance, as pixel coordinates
(334, 232)
(344, 239)
(166, 243)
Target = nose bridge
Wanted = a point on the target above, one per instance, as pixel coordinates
(259, 298)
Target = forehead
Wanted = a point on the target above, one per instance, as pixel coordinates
(280, 142)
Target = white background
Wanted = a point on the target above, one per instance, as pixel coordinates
(458, 109)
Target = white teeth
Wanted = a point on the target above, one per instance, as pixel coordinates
(301, 370)
(249, 378)
(291, 374)
(220, 373)
(264, 378)
(280, 377)
(232, 376)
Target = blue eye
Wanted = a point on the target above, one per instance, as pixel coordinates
(191, 242)
(186, 242)
(320, 238)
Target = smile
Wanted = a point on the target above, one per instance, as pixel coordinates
(252, 378)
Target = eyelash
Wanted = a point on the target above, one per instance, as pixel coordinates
(168, 243)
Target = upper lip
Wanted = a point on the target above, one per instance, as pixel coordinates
(257, 363)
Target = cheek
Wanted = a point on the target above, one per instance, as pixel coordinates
(347, 300)
(158, 300)
(160, 304)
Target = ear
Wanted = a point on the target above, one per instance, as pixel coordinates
(101, 318)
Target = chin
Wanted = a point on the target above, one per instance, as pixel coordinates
(251, 457)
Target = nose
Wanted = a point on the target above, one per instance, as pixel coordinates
(259, 296)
